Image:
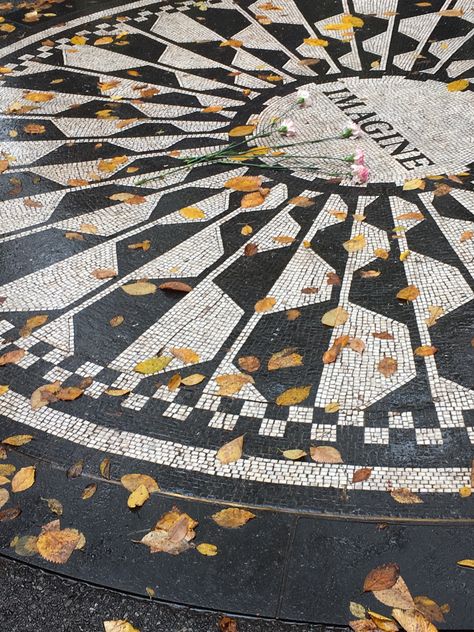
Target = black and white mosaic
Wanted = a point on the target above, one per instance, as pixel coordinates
(124, 110)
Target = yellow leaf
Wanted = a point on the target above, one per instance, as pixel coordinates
(57, 545)
(117, 392)
(283, 239)
(404, 255)
(265, 304)
(4, 388)
(188, 356)
(231, 383)
(103, 40)
(294, 455)
(174, 382)
(245, 184)
(246, 230)
(192, 380)
(232, 518)
(18, 440)
(139, 288)
(138, 497)
(405, 497)
(335, 317)
(89, 491)
(111, 164)
(119, 625)
(466, 563)
(192, 212)
(413, 621)
(458, 86)
(325, 454)
(231, 451)
(425, 350)
(293, 396)
(24, 479)
(242, 130)
(212, 108)
(465, 491)
(416, 183)
(4, 497)
(207, 549)
(131, 482)
(232, 42)
(353, 20)
(152, 365)
(6, 469)
(78, 40)
(285, 359)
(314, 41)
(332, 407)
(409, 293)
(355, 244)
(381, 253)
(256, 198)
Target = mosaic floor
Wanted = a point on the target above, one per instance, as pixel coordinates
(93, 105)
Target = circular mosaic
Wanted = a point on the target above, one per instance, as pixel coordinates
(244, 346)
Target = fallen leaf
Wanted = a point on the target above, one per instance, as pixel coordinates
(119, 625)
(302, 201)
(226, 624)
(249, 363)
(128, 198)
(314, 41)
(54, 505)
(362, 475)
(425, 351)
(39, 97)
(176, 286)
(333, 279)
(4, 164)
(4, 497)
(332, 407)
(357, 345)
(232, 518)
(397, 596)
(467, 235)
(466, 563)
(138, 497)
(285, 359)
(452, 13)
(442, 189)
(174, 382)
(416, 183)
(116, 321)
(139, 288)
(192, 212)
(212, 108)
(382, 577)
(232, 42)
(103, 40)
(26, 546)
(293, 314)
(117, 392)
(231, 383)
(256, 198)
(152, 365)
(383, 623)
(294, 455)
(335, 317)
(429, 609)
(370, 274)
(245, 184)
(4, 388)
(381, 253)
(76, 469)
(458, 86)
(9, 514)
(74, 236)
(435, 311)
(242, 130)
(359, 242)
(34, 128)
(7, 469)
(325, 454)
(78, 40)
(17, 440)
(405, 497)
(357, 610)
(24, 479)
(465, 491)
(188, 356)
(12, 357)
(382, 335)
(246, 230)
(416, 215)
(132, 482)
(293, 396)
(413, 621)
(231, 451)
(68, 393)
(409, 293)
(207, 549)
(250, 250)
(104, 468)
(192, 380)
(265, 304)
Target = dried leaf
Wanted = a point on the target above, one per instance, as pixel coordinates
(76, 469)
(33, 323)
(382, 577)
(245, 184)
(381, 253)
(139, 288)
(465, 491)
(413, 621)
(357, 345)
(246, 230)
(119, 625)
(425, 351)
(188, 356)
(442, 189)
(231, 451)
(467, 235)
(242, 130)
(359, 242)
(335, 317)
(68, 393)
(387, 366)
(232, 42)
(294, 455)
(357, 610)
(138, 497)
(285, 359)
(415, 215)
(435, 311)
(382, 335)
(466, 563)
(293, 314)
(416, 183)
(9, 514)
(265, 304)
(231, 383)
(104, 468)
(174, 382)
(176, 286)
(116, 321)
(207, 549)
(24, 479)
(210, 109)
(17, 440)
(89, 491)
(232, 518)
(314, 41)
(333, 279)
(362, 475)
(250, 250)
(54, 505)
(152, 365)
(429, 609)
(458, 86)
(325, 454)
(12, 357)
(4, 497)
(383, 623)
(293, 396)
(332, 407)
(302, 201)
(78, 40)
(256, 198)
(249, 363)
(193, 379)
(39, 97)
(370, 274)
(103, 40)
(34, 128)
(226, 624)
(26, 546)
(405, 497)
(409, 293)
(57, 545)
(192, 212)
(7, 469)
(397, 596)
(131, 482)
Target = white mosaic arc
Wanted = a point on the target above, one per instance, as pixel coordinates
(203, 460)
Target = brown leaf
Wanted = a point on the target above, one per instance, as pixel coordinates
(413, 621)
(249, 363)
(293, 396)
(362, 475)
(131, 482)
(250, 249)
(105, 273)
(89, 491)
(382, 577)
(409, 293)
(256, 198)
(116, 321)
(425, 351)
(174, 382)
(387, 366)
(370, 274)
(75, 470)
(57, 546)
(301, 200)
(226, 624)
(333, 279)
(176, 286)
(429, 609)
(405, 497)
(397, 596)
(382, 335)
(231, 451)
(69, 393)
(293, 314)
(285, 359)
(33, 323)
(411, 215)
(12, 357)
(325, 454)
(232, 518)
(332, 353)
(24, 479)
(363, 625)
(231, 383)
(357, 345)
(9, 514)
(442, 189)
(104, 468)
